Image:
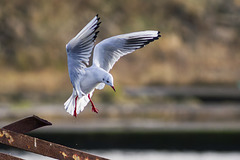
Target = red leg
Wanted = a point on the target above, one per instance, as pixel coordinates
(75, 110)
(94, 109)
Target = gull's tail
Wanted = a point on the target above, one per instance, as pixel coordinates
(69, 105)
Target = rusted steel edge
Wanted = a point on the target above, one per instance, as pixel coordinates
(4, 156)
(27, 124)
(43, 147)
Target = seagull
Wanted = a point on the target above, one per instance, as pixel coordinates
(84, 78)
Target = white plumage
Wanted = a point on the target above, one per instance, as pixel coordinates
(106, 53)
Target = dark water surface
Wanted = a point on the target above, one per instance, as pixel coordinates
(153, 140)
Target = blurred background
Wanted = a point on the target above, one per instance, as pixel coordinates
(180, 94)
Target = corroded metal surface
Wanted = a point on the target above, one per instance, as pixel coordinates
(8, 157)
(12, 135)
(27, 124)
(42, 147)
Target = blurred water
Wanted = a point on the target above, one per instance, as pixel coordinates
(142, 154)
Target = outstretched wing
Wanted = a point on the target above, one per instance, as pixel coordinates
(108, 51)
(80, 47)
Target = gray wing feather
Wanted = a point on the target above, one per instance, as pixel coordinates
(80, 47)
(108, 51)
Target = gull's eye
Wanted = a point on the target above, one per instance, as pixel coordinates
(107, 81)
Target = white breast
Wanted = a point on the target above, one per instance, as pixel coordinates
(91, 79)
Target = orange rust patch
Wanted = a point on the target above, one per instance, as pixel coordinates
(1, 134)
(76, 157)
(63, 154)
(8, 136)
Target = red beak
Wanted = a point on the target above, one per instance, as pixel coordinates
(113, 88)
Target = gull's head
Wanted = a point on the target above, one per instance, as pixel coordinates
(108, 80)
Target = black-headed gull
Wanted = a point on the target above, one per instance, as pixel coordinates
(106, 53)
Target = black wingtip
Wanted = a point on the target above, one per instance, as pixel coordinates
(98, 18)
(96, 32)
(159, 35)
(95, 36)
(99, 23)
(140, 42)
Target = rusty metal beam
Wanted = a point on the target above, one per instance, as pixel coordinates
(43, 147)
(8, 157)
(27, 124)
